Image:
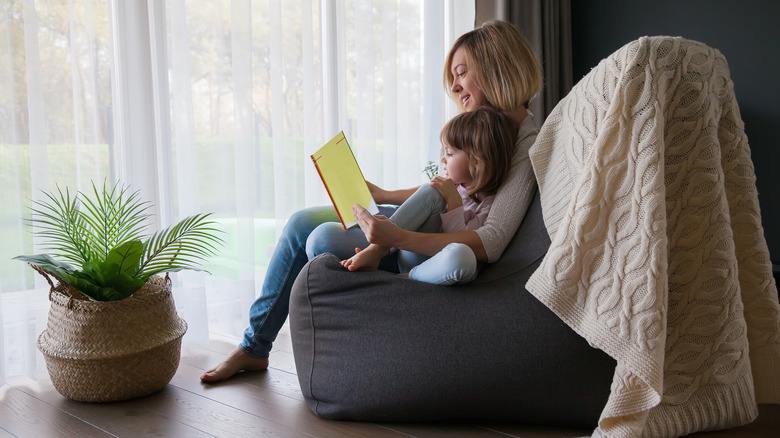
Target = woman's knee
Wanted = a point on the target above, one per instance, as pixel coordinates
(303, 222)
(322, 238)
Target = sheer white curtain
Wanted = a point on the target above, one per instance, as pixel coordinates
(207, 106)
(54, 130)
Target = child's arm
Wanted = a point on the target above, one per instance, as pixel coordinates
(448, 191)
(393, 197)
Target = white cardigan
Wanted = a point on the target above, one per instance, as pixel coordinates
(658, 255)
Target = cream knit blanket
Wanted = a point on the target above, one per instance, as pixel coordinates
(658, 255)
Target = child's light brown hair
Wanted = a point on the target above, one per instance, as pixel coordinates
(487, 136)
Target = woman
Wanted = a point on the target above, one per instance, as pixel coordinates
(493, 65)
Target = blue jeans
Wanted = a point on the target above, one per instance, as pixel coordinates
(269, 311)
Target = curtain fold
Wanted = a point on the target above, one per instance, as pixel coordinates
(241, 93)
(547, 26)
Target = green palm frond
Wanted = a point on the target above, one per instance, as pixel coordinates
(114, 217)
(63, 227)
(179, 247)
(102, 238)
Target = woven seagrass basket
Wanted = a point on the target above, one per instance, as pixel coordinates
(99, 351)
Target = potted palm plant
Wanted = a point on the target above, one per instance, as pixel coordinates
(113, 332)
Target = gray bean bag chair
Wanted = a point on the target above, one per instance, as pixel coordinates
(373, 346)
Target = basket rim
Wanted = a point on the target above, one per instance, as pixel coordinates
(46, 350)
(107, 358)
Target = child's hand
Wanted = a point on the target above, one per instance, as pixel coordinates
(448, 191)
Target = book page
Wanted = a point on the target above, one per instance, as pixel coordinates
(343, 179)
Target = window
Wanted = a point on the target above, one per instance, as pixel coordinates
(207, 107)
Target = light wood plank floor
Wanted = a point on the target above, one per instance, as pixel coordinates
(253, 404)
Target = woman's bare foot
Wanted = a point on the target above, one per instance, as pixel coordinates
(235, 362)
(368, 258)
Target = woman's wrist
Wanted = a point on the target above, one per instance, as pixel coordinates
(404, 239)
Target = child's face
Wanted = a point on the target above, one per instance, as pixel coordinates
(456, 165)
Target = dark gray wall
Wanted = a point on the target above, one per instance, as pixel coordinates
(747, 32)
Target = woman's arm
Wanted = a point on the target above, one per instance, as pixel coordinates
(431, 243)
(382, 231)
(394, 197)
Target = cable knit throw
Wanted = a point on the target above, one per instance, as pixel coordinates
(658, 255)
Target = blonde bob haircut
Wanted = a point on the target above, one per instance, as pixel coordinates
(502, 63)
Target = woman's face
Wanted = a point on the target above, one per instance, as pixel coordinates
(464, 83)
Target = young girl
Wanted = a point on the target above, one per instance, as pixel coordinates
(478, 148)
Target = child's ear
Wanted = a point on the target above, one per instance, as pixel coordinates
(476, 168)
(475, 165)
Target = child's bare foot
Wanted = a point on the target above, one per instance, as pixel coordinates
(368, 258)
(236, 361)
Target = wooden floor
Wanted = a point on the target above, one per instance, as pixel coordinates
(266, 403)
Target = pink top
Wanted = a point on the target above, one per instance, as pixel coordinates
(468, 217)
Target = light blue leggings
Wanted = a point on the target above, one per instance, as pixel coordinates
(456, 263)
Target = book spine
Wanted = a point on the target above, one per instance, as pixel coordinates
(330, 195)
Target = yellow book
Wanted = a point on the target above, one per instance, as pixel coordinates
(343, 179)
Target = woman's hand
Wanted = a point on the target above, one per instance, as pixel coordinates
(378, 229)
(448, 191)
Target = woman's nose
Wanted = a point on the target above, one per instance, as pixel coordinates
(455, 87)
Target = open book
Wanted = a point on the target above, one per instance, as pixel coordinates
(343, 179)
